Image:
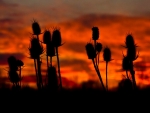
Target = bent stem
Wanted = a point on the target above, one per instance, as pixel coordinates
(59, 74)
(99, 75)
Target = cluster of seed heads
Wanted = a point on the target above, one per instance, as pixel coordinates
(52, 41)
(127, 62)
(14, 66)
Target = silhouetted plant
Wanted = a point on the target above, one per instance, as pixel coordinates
(57, 42)
(50, 50)
(14, 77)
(131, 56)
(36, 50)
(126, 65)
(107, 58)
(93, 52)
(20, 64)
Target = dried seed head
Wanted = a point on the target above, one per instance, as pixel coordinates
(131, 53)
(12, 63)
(11, 60)
(107, 54)
(20, 63)
(36, 28)
(56, 38)
(34, 42)
(46, 37)
(13, 76)
(35, 49)
(50, 50)
(98, 47)
(126, 63)
(95, 33)
(52, 78)
(129, 41)
(91, 53)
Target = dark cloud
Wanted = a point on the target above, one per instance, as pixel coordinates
(4, 57)
(5, 5)
(9, 22)
(91, 20)
(78, 65)
(78, 47)
(3, 35)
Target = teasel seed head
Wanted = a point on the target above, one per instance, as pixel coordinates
(91, 53)
(56, 38)
(107, 54)
(20, 63)
(35, 48)
(129, 41)
(13, 76)
(36, 28)
(95, 33)
(12, 63)
(98, 47)
(132, 53)
(46, 37)
(11, 60)
(126, 63)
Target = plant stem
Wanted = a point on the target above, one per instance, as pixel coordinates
(51, 61)
(127, 74)
(39, 69)
(36, 73)
(99, 75)
(58, 67)
(95, 51)
(20, 75)
(47, 60)
(106, 76)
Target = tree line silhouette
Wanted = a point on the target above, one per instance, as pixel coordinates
(53, 41)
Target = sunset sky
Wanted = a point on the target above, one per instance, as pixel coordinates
(75, 18)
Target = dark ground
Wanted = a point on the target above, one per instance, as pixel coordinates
(75, 99)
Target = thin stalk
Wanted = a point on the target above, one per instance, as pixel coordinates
(106, 76)
(95, 51)
(59, 74)
(99, 75)
(127, 74)
(36, 73)
(20, 75)
(133, 80)
(51, 61)
(47, 60)
(98, 60)
(39, 69)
